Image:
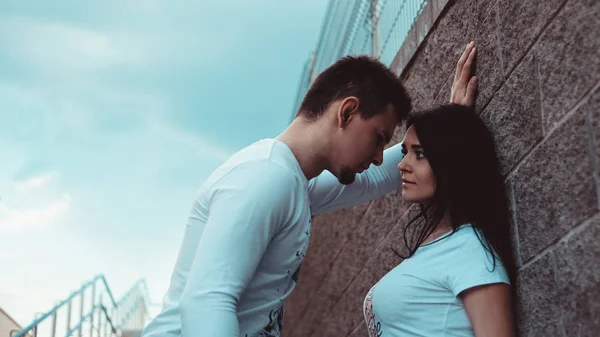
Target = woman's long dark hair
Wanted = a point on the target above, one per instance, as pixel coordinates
(469, 184)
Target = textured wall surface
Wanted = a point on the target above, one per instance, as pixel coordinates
(539, 68)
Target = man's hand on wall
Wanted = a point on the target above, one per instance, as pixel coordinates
(464, 85)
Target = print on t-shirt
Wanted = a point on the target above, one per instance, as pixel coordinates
(373, 326)
(275, 326)
(300, 254)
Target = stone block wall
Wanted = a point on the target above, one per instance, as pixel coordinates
(539, 68)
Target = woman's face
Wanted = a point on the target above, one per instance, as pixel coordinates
(418, 181)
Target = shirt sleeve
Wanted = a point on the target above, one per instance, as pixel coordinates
(247, 208)
(327, 194)
(473, 266)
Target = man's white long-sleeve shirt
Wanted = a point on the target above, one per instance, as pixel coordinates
(246, 237)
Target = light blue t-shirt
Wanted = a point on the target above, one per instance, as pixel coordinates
(420, 296)
(246, 237)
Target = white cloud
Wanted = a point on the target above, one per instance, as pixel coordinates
(148, 6)
(13, 157)
(35, 182)
(22, 292)
(181, 137)
(27, 256)
(70, 52)
(13, 219)
(73, 74)
(66, 49)
(34, 112)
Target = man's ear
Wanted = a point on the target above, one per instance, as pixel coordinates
(348, 110)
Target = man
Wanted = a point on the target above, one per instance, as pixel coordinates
(249, 227)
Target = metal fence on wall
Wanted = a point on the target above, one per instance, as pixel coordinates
(357, 27)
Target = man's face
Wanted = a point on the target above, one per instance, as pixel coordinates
(360, 143)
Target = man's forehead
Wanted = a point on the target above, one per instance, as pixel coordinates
(388, 131)
(391, 120)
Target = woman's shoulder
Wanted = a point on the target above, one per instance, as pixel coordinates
(461, 236)
(472, 250)
(465, 243)
(474, 262)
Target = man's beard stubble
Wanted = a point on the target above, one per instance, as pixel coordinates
(347, 176)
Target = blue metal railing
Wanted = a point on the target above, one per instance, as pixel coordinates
(89, 315)
(372, 27)
(113, 316)
(135, 301)
(395, 19)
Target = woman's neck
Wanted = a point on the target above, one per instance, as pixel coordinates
(443, 227)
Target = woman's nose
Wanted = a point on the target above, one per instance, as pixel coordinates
(403, 166)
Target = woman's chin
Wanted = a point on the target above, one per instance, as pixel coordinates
(415, 199)
(411, 199)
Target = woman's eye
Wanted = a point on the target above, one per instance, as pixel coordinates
(420, 155)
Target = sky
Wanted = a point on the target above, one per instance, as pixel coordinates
(113, 113)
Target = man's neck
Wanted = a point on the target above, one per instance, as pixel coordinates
(309, 145)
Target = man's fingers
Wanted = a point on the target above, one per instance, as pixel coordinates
(471, 89)
(466, 70)
(459, 66)
(461, 61)
(464, 86)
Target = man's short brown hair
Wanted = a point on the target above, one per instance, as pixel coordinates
(364, 77)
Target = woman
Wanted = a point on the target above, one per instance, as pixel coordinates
(450, 283)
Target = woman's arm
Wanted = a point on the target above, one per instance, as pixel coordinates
(490, 310)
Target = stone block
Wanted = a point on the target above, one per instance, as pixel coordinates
(439, 53)
(554, 188)
(329, 233)
(348, 312)
(552, 192)
(484, 7)
(438, 6)
(592, 111)
(514, 115)
(578, 281)
(395, 242)
(514, 231)
(405, 53)
(323, 299)
(488, 65)
(443, 96)
(418, 86)
(520, 23)
(372, 230)
(360, 331)
(312, 270)
(415, 36)
(292, 312)
(322, 230)
(464, 21)
(424, 23)
(569, 58)
(333, 233)
(374, 226)
(386, 259)
(538, 301)
(450, 37)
